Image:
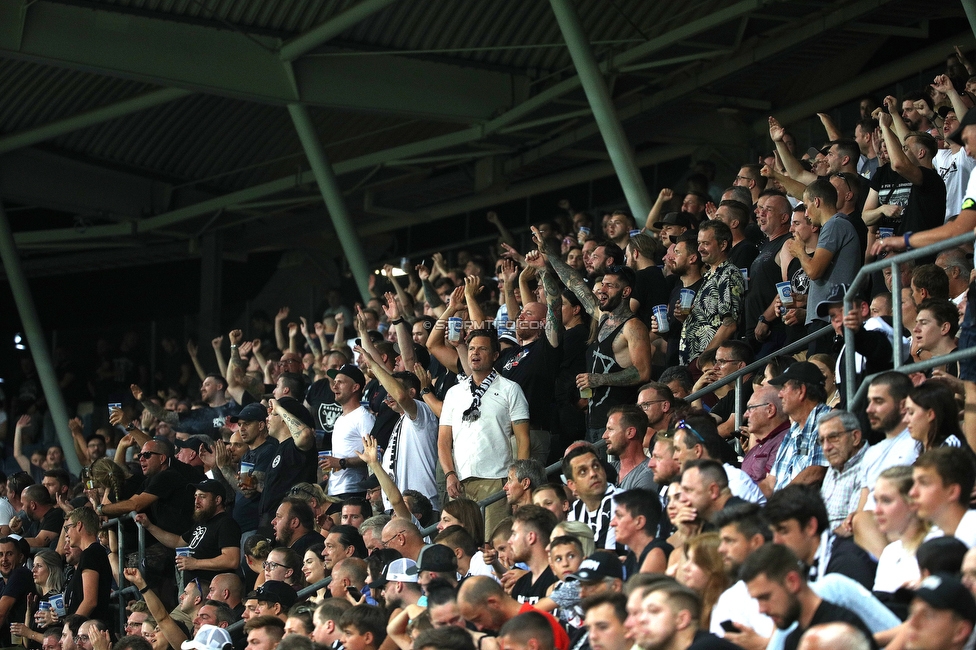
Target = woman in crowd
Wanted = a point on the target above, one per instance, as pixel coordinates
(313, 568)
(48, 581)
(827, 363)
(932, 417)
(256, 551)
(704, 571)
(465, 513)
(896, 518)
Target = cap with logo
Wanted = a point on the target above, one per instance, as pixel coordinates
(801, 371)
(276, 591)
(944, 591)
(435, 557)
(599, 566)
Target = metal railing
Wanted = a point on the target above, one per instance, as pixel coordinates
(892, 263)
(124, 591)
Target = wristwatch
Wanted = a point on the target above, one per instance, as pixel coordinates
(425, 391)
(98, 509)
(342, 463)
(762, 319)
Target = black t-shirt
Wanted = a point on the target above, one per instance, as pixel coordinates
(208, 420)
(725, 406)
(325, 411)
(526, 591)
(743, 254)
(533, 367)
(764, 274)
(708, 641)
(675, 325)
(174, 500)
(851, 560)
(94, 559)
(301, 544)
(923, 206)
(17, 585)
(246, 510)
(650, 290)
(208, 539)
(290, 465)
(571, 363)
(52, 521)
(829, 613)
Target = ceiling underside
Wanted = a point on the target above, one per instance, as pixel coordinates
(129, 129)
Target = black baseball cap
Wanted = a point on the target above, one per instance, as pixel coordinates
(675, 219)
(801, 371)
(213, 487)
(435, 557)
(944, 591)
(419, 352)
(276, 591)
(350, 371)
(968, 120)
(253, 412)
(599, 566)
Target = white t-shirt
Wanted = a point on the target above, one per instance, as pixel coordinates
(955, 170)
(896, 566)
(415, 444)
(741, 485)
(890, 452)
(966, 530)
(477, 567)
(347, 439)
(483, 448)
(736, 605)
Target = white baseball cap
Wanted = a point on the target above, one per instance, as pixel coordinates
(210, 637)
(399, 570)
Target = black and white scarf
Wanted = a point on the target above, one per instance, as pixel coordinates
(474, 411)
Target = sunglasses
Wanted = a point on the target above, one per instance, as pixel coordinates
(146, 455)
(683, 424)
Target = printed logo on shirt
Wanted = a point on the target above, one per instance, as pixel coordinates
(198, 533)
(276, 460)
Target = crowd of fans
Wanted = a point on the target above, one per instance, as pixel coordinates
(323, 486)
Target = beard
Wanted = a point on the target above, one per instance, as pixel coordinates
(792, 615)
(202, 516)
(889, 423)
(613, 302)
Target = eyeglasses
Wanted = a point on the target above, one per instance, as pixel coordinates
(302, 490)
(646, 405)
(832, 438)
(755, 406)
(386, 542)
(270, 566)
(683, 424)
(146, 455)
(83, 638)
(722, 362)
(68, 526)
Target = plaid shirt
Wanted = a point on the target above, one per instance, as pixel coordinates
(842, 488)
(800, 449)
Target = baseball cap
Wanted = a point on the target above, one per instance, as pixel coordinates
(945, 110)
(297, 409)
(350, 371)
(213, 487)
(373, 335)
(210, 637)
(801, 371)
(371, 482)
(419, 352)
(943, 591)
(686, 236)
(510, 337)
(675, 219)
(193, 442)
(435, 557)
(834, 296)
(276, 591)
(600, 565)
(399, 570)
(253, 412)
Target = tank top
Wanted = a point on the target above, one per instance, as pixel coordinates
(603, 362)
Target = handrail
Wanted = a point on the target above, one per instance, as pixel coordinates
(918, 366)
(850, 371)
(756, 365)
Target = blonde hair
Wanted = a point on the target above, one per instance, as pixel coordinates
(703, 551)
(108, 474)
(580, 531)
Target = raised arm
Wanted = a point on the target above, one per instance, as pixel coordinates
(506, 236)
(900, 162)
(311, 340)
(898, 126)
(303, 436)
(833, 133)
(172, 632)
(370, 457)
(663, 198)
(472, 286)
(406, 302)
(78, 438)
(791, 164)
(569, 277)
(793, 187)
(429, 398)
(554, 301)
(221, 363)
(392, 385)
(293, 338)
(943, 84)
(278, 331)
(193, 350)
(22, 423)
(157, 411)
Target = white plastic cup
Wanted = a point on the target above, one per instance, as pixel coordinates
(661, 316)
(745, 277)
(884, 233)
(454, 325)
(57, 602)
(585, 230)
(323, 455)
(685, 298)
(246, 468)
(634, 233)
(184, 551)
(785, 292)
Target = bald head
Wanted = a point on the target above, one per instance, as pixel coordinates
(530, 321)
(834, 636)
(476, 591)
(227, 588)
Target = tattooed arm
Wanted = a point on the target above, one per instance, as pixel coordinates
(554, 314)
(157, 411)
(627, 377)
(569, 277)
(303, 436)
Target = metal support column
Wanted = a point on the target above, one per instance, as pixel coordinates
(211, 285)
(36, 340)
(969, 6)
(334, 201)
(604, 111)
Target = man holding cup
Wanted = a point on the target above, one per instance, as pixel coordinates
(252, 424)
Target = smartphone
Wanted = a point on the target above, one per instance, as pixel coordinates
(355, 593)
(114, 405)
(729, 626)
